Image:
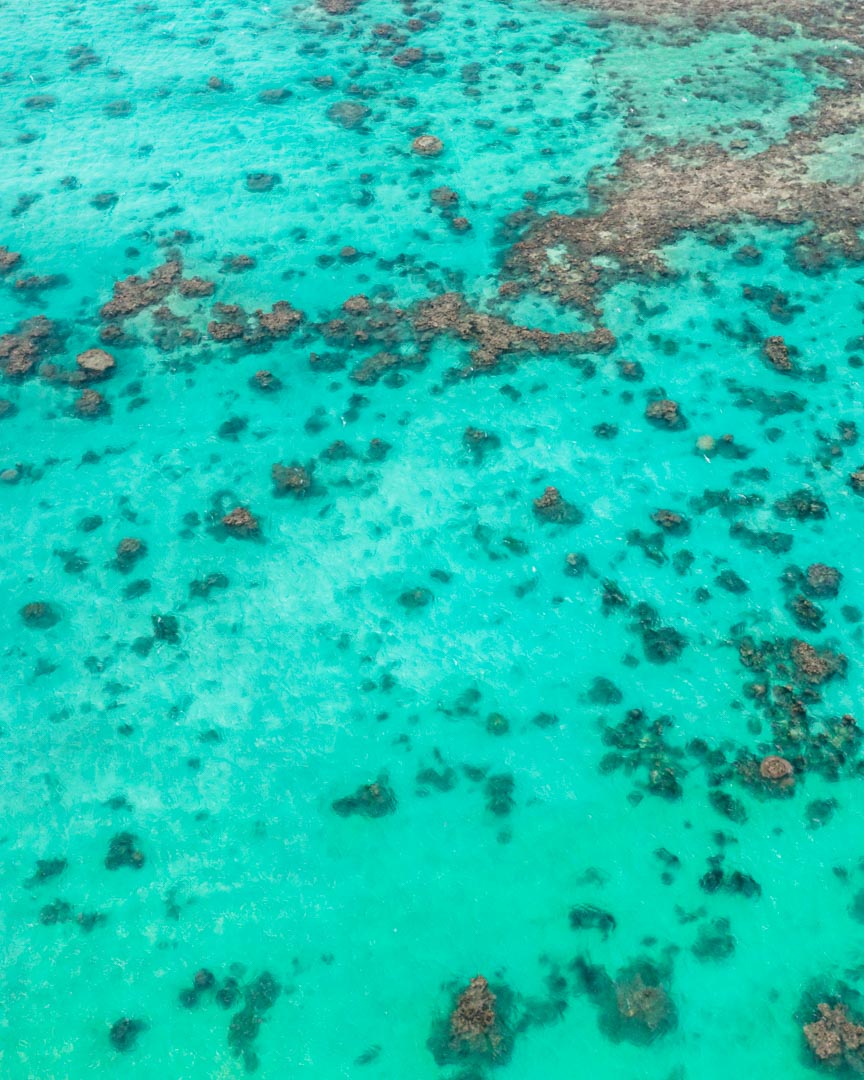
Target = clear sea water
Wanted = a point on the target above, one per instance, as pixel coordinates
(304, 677)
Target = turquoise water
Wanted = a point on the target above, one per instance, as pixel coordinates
(370, 628)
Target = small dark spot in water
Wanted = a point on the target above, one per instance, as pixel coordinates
(124, 1033)
(715, 941)
(46, 869)
(412, 599)
(136, 589)
(820, 812)
(588, 917)
(59, 911)
(499, 794)
(369, 800)
(122, 851)
(368, 1056)
(604, 692)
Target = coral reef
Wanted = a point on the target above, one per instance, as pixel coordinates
(373, 800)
(836, 1039)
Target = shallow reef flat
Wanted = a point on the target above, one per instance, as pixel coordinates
(431, 472)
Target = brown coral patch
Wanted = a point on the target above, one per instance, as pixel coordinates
(96, 363)
(291, 479)
(8, 260)
(652, 197)
(643, 1005)
(836, 1039)
(816, 666)
(338, 7)
(776, 768)
(32, 341)
(196, 287)
(90, 404)
(473, 1019)
(494, 336)
(281, 321)
(240, 522)
(135, 294)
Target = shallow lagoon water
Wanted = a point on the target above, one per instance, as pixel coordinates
(304, 677)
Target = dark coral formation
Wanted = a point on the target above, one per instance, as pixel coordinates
(636, 1006)
(124, 1033)
(130, 551)
(294, 479)
(654, 196)
(373, 800)
(479, 1029)
(135, 294)
(473, 1019)
(241, 522)
(553, 508)
(777, 354)
(373, 345)
(39, 615)
(123, 851)
(640, 745)
(34, 340)
(495, 337)
(589, 917)
(665, 414)
(260, 996)
(46, 869)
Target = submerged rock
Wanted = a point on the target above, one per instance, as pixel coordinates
(166, 628)
(260, 996)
